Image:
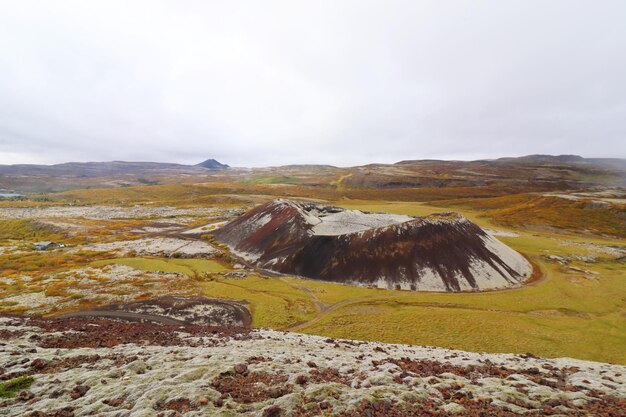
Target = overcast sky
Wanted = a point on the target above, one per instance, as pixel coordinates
(342, 82)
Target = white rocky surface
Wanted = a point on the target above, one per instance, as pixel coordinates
(156, 229)
(501, 278)
(101, 212)
(6, 249)
(488, 276)
(183, 314)
(331, 221)
(32, 300)
(158, 246)
(596, 249)
(140, 380)
(605, 197)
(103, 285)
(351, 221)
(503, 233)
(7, 281)
(72, 228)
(207, 228)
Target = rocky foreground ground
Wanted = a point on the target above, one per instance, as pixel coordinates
(100, 367)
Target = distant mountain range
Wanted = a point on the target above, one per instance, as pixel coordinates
(546, 158)
(114, 168)
(568, 159)
(542, 159)
(527, 172)
(106, 169)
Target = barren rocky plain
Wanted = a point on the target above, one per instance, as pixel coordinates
(119, 299)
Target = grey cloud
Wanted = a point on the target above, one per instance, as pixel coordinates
(265, 83)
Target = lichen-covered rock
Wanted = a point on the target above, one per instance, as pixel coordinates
(150, 369)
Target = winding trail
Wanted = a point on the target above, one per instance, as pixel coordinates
(542, 274)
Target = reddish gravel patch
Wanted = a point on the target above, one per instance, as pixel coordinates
(427, 408)
(40, 366)
(318, 376)
(606, 407)
(115, 402)
(181, 405)
(95, 333)
(251, 387)
(10, 334)
(551, 376)
(62, 412)
(425, 368)
(257, 359)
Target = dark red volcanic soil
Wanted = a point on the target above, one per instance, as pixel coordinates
(92, 332)
(382, 252)
(440, 248)
(285, 231)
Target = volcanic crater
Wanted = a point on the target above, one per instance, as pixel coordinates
(439, 252)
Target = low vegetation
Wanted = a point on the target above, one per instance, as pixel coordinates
(546, 318)
(11, 387)
(42, 263)
(576, 308)
(274, 303)
(541, 212)
(190, 267)
(27, 230)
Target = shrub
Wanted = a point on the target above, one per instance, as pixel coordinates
(9, 388)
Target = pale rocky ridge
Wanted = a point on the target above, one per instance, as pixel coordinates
(159, 246)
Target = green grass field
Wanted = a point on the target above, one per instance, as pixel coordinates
(569, 312)
(191, 267)
(566, 313)
(273, 302)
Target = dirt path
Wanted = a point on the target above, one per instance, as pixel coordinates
(333, 307)
(319, 304)
(339, 182)
(542, 273)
